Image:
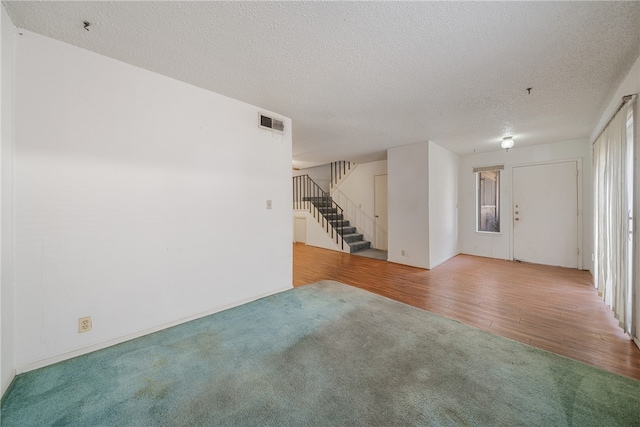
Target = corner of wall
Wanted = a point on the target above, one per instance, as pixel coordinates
(408, 176)
(443, 204)
(7, 382)
(7, 318)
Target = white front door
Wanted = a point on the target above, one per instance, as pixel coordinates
(380, 212)
(545, 214)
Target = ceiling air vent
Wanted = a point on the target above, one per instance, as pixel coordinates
(270, 123)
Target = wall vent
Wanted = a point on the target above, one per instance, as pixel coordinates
(271, 123)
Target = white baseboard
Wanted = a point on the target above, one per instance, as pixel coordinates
(89, 349)
(636, 340)
(442, 261)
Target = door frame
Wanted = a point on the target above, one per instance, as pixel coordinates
(375, 228)
(579, 186)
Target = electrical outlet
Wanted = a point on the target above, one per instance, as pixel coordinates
(84, 324)
(405, 253)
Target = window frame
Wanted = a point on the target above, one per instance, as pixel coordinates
(478, 202)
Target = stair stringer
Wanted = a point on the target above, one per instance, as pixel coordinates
(329, 210)
(355, 215)
(317, 234)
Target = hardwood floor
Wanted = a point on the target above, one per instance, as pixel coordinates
(553, 308)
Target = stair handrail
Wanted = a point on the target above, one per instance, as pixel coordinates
(363, 222)
(306, 188)
(340, 170)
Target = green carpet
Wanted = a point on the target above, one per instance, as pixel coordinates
(323, 354)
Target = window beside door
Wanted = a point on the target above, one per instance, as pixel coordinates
(488, 200)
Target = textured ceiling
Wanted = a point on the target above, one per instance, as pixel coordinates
(360, 77)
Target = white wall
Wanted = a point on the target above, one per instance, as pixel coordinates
(629, 86)
(7, 341)
(500, 245)
(355, 194)
(139, 201)
(316, 234)
(443, 205)
(321, 175)
(408, 214)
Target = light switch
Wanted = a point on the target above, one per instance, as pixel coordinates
(268, 204)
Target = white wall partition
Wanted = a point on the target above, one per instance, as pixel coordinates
(321, 175)
(7, 318)
(408, 180)
(139, 201)
(443, 205)
(499, 245)
(422, 183)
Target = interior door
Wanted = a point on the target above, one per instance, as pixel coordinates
(380, 212)
(545, 214)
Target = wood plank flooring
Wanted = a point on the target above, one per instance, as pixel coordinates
(553, 308)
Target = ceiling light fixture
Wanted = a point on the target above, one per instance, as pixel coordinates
(507, 142)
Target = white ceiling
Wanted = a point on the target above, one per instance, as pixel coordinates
(360, 77)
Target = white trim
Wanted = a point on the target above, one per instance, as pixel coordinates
(477, 208)
(75, 353)
(488, 168)
(374, 239)
(489, 233)
(635, 269)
